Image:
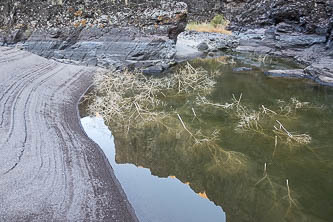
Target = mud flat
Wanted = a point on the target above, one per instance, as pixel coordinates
(49, 168)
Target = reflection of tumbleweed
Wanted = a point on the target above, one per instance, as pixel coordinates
(130, 97)
(291, 200)
(291, 138)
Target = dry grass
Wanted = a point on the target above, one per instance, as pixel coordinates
(189, 79)
(123, 96)
(131, 98)
(257, 120)
(291, 107)
(248, 119)
(208, 27)
(291, 138)
(131, 102)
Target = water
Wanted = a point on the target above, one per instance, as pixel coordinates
(154, 198)
(167, 178)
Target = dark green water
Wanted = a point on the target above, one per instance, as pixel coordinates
(231, 172)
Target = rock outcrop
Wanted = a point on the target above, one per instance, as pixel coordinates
(309, 16)
(307, 49)
(114, 34)
(50, 170)
(302, 30)
(99, 33)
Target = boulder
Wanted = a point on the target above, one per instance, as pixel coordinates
(202, 46)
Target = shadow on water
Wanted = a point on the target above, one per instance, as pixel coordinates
(254, 175)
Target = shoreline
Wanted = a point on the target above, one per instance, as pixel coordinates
(310, 53)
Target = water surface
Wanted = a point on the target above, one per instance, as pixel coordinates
(154, 198)
(245, 172)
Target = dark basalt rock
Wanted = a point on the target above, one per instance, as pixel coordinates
(154, 70)
(142, 34)
(242, 69)
(202, 46)
(293, 40)
(306, 16)
(288, 73)
(110, 47)
(307, 49)
(95, 33)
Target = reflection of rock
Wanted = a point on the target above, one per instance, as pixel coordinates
(228, 186)
(241, 69)
(288, 73)
(306, 49)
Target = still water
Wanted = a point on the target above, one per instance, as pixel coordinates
(247, 175)
(154, 198)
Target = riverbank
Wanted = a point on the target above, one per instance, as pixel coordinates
(50, 169)
(310, 51)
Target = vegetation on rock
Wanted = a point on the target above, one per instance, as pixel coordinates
(218, 24)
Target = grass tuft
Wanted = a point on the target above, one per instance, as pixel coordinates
(218, 25)
(207, 27)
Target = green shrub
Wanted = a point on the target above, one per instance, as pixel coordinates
(218, 20)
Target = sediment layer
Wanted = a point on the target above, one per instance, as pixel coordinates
(49, 169)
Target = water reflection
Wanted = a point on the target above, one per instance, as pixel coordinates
(246, 173)
(236, 189)
(153, 198)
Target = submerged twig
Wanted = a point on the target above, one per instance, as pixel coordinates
(265, 175)
(292, 201)
(194, 113)
(291, 138)
(275, 145)
(183, 124)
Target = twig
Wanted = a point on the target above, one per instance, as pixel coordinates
(275, 145)
(186, 128)
(264, 175)
(195, 115)
(266, 109)
(291, 200)
(284, 129)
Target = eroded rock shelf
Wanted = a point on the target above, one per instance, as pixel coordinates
(49, 169)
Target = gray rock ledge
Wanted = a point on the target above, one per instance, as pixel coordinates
(49, 169)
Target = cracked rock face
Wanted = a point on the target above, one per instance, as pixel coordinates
(97, 33)
(309, 16)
